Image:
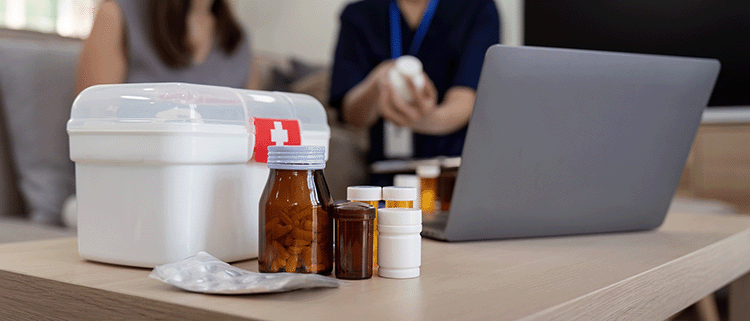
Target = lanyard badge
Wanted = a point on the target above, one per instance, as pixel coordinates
(398, 141)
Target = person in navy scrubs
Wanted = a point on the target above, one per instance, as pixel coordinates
(450, 37)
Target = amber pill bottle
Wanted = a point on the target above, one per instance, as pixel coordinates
(295, 225)
(407, 180)
(447, 181)
(354, 237)
(428, 177)
(399, 196)
(369, 195)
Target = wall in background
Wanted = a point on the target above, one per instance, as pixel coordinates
(308, 29)
(70, 18)
(302, 28)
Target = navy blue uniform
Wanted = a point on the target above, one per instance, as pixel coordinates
(452, 53)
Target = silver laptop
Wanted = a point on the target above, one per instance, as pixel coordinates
(568, 142)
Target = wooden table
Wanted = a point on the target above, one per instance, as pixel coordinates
(17, 230)
(628, 276)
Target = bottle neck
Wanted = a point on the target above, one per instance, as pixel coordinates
(281, 170)
(297, 166)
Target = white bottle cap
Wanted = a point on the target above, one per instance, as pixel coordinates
(364, 193)
(406, 180)
(428, 171)
(399, 193)
(409, 66)
(399, 216)
(452, 162)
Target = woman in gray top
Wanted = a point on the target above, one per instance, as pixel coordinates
(195, 41)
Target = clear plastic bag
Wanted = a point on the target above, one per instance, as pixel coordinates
(207, 274)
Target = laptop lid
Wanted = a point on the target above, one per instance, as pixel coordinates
(571, 142)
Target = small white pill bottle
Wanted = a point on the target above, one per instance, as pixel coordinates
(398, 141)
(406, 67)
(399, 242)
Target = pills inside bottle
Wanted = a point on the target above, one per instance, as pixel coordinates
(399, 196)
(447, 181)
(369, 195)
(296, 230)
(408, 181)
(428, 176)
(354, 238)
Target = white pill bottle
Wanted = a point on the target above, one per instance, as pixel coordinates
(406, 67)
(399, 242)
(398, 141)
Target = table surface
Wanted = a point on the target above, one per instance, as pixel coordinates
(17, 230)
(642, 275)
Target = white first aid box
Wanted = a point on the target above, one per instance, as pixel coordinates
(166, 170)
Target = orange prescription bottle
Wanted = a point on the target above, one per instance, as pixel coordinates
(369, 195)
(428, 176)
(447, 181)
(295, 223)
(399, 196)
(408, 180)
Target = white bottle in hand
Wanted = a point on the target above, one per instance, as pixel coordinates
(406, 66)
(398, 140)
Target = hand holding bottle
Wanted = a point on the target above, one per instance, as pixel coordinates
(407, 93)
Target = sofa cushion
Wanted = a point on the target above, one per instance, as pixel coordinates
(10, 198)
(37, 83)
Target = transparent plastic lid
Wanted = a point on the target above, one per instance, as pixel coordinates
(177, 107)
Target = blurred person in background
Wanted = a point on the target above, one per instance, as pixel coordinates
(194, 41)
(136, 41)
(450, 38)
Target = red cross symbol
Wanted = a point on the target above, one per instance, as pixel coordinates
(279, 135)
(269, 131)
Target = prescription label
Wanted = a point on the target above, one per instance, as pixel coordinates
(271, 131)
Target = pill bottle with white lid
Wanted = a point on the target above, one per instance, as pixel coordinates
(399, 196)
(400, 249)
(428, 176)
(406, 67)
(408, 180)
(398, 141)
(371, 195)
(447, 181)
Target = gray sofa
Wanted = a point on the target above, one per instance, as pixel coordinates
(36, 92)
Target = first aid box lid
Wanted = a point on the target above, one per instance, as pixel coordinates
(186, 108)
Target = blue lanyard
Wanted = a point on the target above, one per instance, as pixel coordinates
(418, 36)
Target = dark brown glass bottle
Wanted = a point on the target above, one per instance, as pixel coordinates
(354, 237)
(296, 228)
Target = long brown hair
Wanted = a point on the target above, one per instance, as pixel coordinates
(168, 30)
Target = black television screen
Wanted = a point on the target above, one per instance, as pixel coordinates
(693, 28)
